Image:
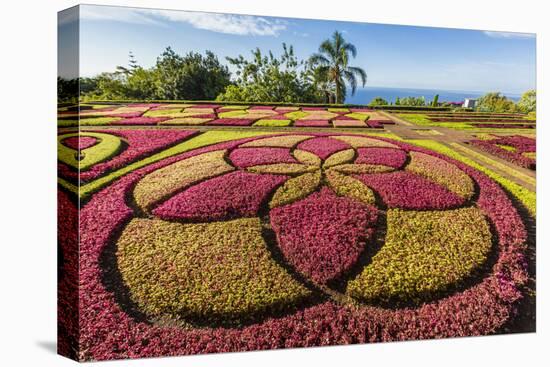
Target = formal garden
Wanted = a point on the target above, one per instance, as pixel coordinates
(206, 237)
(198, 226)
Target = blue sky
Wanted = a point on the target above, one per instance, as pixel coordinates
(393, 56)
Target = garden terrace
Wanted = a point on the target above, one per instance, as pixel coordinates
(465, 121)
(219, 240)
(515, 149)
(194, 114)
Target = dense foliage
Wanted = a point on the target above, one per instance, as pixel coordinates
(266, 78)
(495, 102)
(528, 101)
(321, 78)
(191, 76)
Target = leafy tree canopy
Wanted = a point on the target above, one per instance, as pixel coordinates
(192, 76)
(378, 101)
(528, 101)
(495, 102)
(267, 78)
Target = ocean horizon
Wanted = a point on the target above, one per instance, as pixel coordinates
(367, 94)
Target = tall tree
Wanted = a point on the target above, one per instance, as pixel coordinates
(435, 101)
(495, 102)
(131, 68)
(528, 101)
(333, 60)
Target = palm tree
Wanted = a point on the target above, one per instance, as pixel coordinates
(333, 58)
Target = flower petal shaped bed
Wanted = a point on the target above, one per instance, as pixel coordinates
(294, 240)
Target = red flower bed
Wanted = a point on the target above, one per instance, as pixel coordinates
(261, 108)
(377, 124)
(206, 106)
(67, 283)
(236, 194)
(247, 157)
(80, 142)
(408, 191)
(125, 115)
(520, 145)
(323, 147)
(139, 121)
(361, 110)
(323, 235)
(384, 156)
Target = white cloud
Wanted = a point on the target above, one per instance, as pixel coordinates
(514, 35)
(221, 23)
(226, 23)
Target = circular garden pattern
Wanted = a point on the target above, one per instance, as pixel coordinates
(296, 240)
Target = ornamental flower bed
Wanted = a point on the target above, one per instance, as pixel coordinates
(114, 149)
(224, 115)
(294, 240)
(515, 149)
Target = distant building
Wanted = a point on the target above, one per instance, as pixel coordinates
(469, 103)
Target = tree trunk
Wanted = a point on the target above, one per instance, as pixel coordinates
(337, 92)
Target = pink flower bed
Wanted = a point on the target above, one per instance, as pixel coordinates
(150, 105)
(139, 121)
(385, 156)
(323, 147)
(67, 286)
(345, 118)
(247, 157)
(206, 106)
(261, 108)
(361, 110)
(80, 142)
(232, 122)
(234, 195)
(312, 123)
(279, 116)
(375, 124)
(204, 116)
(109, 331)
(125, 115)
(521, 145)
(408, 191)
(323, 235)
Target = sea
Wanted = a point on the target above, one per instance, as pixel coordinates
(367, 94)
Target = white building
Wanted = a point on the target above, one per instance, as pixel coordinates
(469, 103)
